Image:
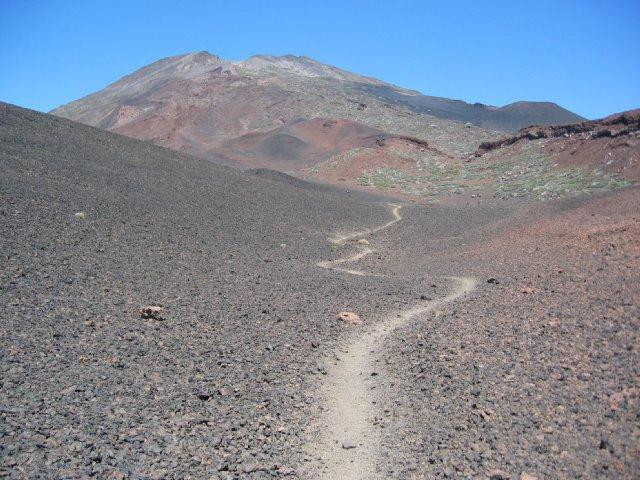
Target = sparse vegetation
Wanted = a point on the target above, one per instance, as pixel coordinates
(528, 174)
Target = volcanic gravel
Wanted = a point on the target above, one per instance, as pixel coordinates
(535, 373)
(94, 227)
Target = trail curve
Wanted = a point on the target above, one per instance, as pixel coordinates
(362, 250)
(348, 446)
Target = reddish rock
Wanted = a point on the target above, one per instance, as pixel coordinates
(350, 317)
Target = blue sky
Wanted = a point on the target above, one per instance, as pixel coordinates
(583, 55)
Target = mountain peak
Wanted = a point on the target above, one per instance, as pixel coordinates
(202, 56)
(302, 66)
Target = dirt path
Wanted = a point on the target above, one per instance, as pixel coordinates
(363, 251)
(339, 239)
(347, 448)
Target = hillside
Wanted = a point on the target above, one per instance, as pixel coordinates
(305, 332)
(198, 102)
(95, 226)
(536, 163)
(610, 145)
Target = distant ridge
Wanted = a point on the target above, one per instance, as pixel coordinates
(509, 118)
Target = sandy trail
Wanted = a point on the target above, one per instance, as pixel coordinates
(362, 251)
(331, 264)
(339, 239)
(349, 443)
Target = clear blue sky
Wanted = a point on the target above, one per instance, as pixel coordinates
(583, 55)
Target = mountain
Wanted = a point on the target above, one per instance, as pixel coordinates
(202, 104)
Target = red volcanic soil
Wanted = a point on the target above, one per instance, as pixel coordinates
(611, 144)
(305, 143)
(188, 123)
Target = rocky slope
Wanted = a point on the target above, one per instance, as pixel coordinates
(538, 162)
(533, 376)
(611, 144)
(93, 227)
(198, 102)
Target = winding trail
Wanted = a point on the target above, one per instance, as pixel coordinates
(349, 444)
(362, 251)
